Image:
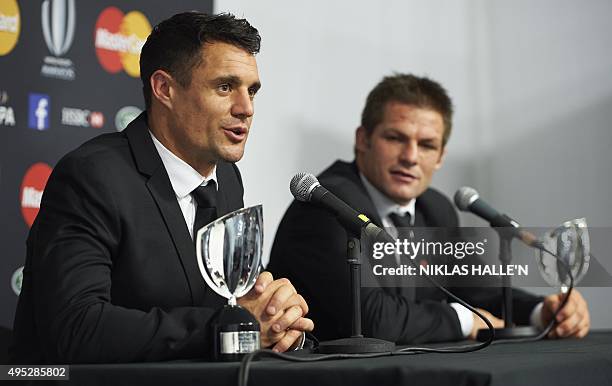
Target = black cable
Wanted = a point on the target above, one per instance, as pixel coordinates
(456, 349)
(245, 365)
(551, 324)
(243, 373)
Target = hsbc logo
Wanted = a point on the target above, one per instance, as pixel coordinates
(32, 187)
(58, 24)
(82, 118)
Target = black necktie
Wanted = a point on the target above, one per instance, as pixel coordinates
(404, 231)
(403, 225)
(206, 211)
(401, 221)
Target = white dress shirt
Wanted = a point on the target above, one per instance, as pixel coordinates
(184, 180)
(384, 207)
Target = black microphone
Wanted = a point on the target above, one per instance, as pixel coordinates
(468, 200)
(306, 188)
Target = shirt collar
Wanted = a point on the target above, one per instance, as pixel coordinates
(384, 205)
(183, 177)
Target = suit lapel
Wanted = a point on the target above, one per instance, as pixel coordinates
(230, 192)
(222, 201)
(419, 219)
(354, 193)
(161, 190)
(149, 163)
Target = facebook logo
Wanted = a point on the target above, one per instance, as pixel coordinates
(40, 107)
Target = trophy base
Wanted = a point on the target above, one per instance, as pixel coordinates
(235, 333)
(356, 345)
(508, 333)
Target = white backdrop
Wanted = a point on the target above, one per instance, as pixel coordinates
(531, 82)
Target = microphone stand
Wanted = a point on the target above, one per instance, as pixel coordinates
(508, 332)
(357, 343)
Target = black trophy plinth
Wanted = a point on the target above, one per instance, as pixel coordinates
(235, 333)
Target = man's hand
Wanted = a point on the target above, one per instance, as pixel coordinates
(572, 321)
(280, 311)
(480, 324)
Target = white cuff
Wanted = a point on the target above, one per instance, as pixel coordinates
(466, 319)
(536, 317)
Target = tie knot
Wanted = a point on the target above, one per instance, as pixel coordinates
(401, 221)
(206, 196)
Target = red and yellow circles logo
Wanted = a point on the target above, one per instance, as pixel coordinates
(32, 188)
(10, 25)
(119, 39)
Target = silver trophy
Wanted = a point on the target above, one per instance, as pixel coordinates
(570, 241)
(229, 257)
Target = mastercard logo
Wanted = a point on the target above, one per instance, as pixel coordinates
(119, 39)
(10, 25)
(32, 188)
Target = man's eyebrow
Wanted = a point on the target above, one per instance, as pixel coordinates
(234, 81)
(256, 85)
(230, 79)
(432, 140)
(393, 130)
(401, 134)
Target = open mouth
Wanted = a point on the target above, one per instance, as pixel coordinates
(236, 134)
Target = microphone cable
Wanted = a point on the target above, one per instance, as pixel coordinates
(243, 373)
(245, 365)
(553, 321)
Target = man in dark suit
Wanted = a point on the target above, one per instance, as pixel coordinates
(111, 272)
(401, 142)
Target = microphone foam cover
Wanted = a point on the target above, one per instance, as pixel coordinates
(302, 185)
(464, 197)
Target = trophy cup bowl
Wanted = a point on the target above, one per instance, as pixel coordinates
(570, 241)
(229, 257)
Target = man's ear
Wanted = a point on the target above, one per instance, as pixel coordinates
(362, 139)
(441, 159)
(162, 85)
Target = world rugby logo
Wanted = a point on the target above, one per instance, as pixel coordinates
(58, 24)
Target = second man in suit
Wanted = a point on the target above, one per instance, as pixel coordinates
(400, 144)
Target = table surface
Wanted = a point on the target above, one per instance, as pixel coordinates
(585, 361)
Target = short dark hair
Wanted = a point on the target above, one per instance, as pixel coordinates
(174, 44)
(420, 92)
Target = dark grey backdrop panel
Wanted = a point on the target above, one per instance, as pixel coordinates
(93, 88)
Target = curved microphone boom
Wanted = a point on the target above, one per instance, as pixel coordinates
(468, 200)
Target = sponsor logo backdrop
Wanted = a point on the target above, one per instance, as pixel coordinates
(70, 72)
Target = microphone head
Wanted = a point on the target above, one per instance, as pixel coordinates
(302, 185)
(464, 197)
